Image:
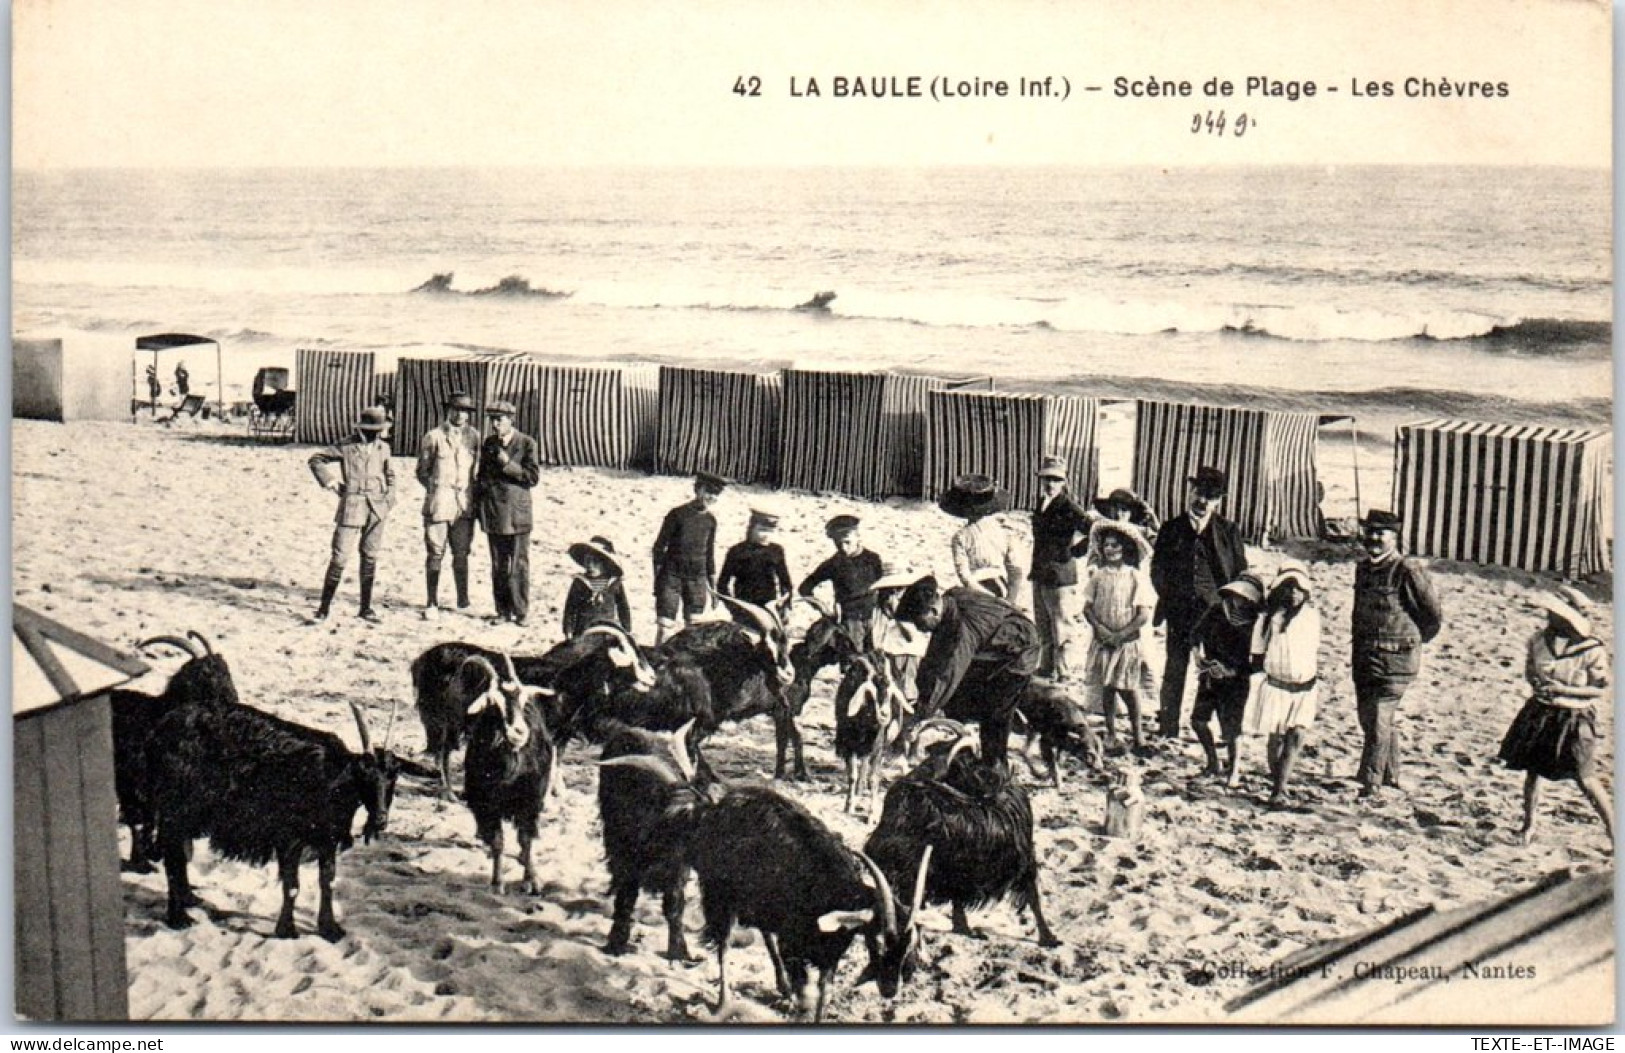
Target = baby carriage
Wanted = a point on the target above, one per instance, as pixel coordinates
(272, 412)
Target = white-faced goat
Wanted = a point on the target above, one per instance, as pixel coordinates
(580, 672)
(748, 669)
(978, 820)
(205, 679)
(261, 788)
(510, 765)
(869, 714)
(764, 861)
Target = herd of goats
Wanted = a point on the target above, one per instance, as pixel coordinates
(196, 762)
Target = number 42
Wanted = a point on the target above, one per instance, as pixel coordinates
(748, 86)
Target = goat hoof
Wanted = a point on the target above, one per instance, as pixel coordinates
(285, 931)
(330, 932)
(1049, 939)
(617, 948)
(683, 956)
(179, 919)
(529, 888)
(190, 899)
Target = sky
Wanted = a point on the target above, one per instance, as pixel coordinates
(231, 83)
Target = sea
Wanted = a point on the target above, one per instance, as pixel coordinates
(1475, 292)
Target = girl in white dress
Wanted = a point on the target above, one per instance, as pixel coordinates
(1117, 603)
(1286, 648)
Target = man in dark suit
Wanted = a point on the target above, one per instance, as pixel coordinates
(1060, 536)
(1196, 554)
(508, 471)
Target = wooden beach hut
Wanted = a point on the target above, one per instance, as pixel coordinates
(422, 386)
(1541, 956)
(334, 387)
(1537, 498)
(1004, 436)
(720, 421)
(69, 903)
(1269, 456)
(859, 434)
(51, 380)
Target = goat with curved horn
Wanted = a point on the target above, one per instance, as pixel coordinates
(200, 638)
(361, 727)
(885, 906)
(173, 641)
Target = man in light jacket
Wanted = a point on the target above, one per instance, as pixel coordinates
(359, 471)
(447, 459)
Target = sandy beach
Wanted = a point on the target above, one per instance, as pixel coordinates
(129, 532)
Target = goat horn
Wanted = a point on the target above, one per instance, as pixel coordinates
(642, 761)
(863, 695)
(361, 725)
(507, 660)
(200, 638)
(919, 881)
(484, 663)
(884, 904)
(389, 730)
(764, 618)
(964, 741)
(818, 605)
(679, 740)
(173, 641)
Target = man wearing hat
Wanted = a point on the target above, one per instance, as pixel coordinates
(851, 572)
(360, 472)
(1395, 612)
(1196, 553)
(447, 459)
(1060, 536)
(984, 557)
(685, 557)
(509, 469)
(981, 658)
(754, 570)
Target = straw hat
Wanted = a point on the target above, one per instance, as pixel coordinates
(972, 496)
(1568, 604)
(1126, 531)
(1120, 498)
(1247, 587)
(600, 547)
(892, 578)
(1292, 570)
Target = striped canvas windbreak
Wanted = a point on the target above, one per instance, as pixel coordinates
(903, 404)
(718, 421)
(1268, 457)
(1005, 436)
(334, 387)
(423, 385)
(1536, 498)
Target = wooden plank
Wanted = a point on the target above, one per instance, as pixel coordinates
(68, 876)
(105, 890)
(31, 915)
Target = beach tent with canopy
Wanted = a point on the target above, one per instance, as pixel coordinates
(54, 380)
(1268, 455)
(65, 855)
(160, 344)
(859, 434)
(334, 387)
(1525, 496)
(1004, 436)
(1543, 955)
(720, 421)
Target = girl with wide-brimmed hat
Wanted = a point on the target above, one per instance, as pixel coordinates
(1286, 647)
(597, 595)
(1117, 603)
(1555, 733)
(985, 558)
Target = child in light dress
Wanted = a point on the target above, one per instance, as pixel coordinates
(1118, 601)
(1286, 648)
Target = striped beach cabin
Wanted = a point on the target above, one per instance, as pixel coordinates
(1536, 498)
(334, 387)
(422, 386)
(859, 434)
(718, 421)
(1004, 436)
(1269, 457)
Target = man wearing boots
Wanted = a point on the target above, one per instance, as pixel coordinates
(447, 458)
(508, 471)
(359, 471)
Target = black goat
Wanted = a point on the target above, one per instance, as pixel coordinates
(261, 788)
(510, 765)
(748, 670)
(600, 662)
(1057, 723)
(763, 861)
(978, 820)
(642, 843)
(869, 712)
(205, 679)
(825, 643)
